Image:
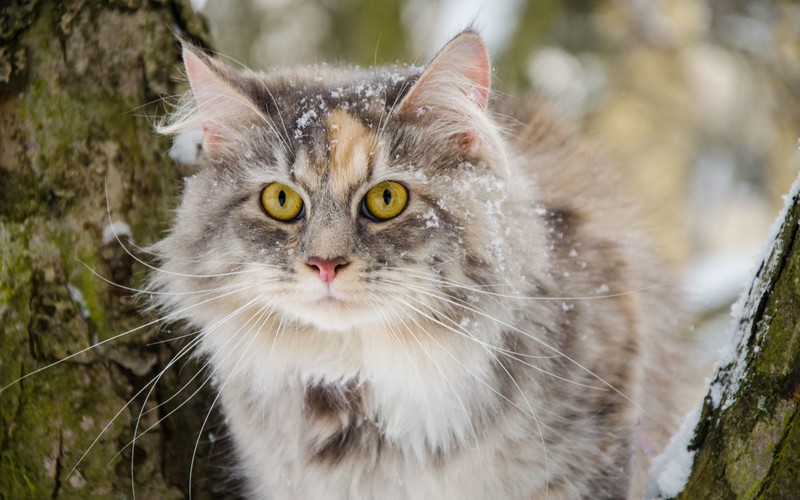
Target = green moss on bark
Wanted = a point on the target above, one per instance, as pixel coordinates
(78, 152)
(750, 449)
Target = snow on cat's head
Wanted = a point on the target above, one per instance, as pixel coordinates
(333, 197)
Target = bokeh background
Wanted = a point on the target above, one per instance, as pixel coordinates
(696, 101)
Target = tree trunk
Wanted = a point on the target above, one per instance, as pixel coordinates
(80, 84)
(747, 441)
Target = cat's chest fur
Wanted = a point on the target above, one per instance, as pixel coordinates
(404, 426)
(364, 391)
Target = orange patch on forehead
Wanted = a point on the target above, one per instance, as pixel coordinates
(351, 144)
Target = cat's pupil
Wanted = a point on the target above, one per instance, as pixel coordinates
(282, 197)
(387, 197)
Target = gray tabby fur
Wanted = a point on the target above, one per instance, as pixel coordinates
(507, 336)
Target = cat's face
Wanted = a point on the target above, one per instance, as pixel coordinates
(342, 199)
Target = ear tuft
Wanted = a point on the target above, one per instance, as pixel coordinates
(453, 93)
(461, 66)
(214, 103)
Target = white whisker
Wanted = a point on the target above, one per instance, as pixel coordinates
(150, 266)
(213, 404)
(169, 317)
(201, 291)
(446, 283)
(152, 385)
(489, 349)
(549, 347)
(443, 374)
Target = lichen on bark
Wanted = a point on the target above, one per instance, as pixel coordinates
(80, 85)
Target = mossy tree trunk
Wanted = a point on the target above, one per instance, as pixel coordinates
(80, 83)
(747, 442)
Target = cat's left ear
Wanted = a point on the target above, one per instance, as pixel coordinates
(462, 65)
(454, 86)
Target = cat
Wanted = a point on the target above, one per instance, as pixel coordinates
(403, 292)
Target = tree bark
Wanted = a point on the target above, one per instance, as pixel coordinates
(80, 85)
(747, 441)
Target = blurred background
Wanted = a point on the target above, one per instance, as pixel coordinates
(696, 101)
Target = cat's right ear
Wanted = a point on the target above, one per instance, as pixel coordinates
(214, 103)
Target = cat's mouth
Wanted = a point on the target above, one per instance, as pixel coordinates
(330, 301)
(330, 308)
(328, 295)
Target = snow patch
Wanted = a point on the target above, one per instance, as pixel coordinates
(419, 175)
(497, 249)
(186, 146)
(77, 298)
(431, 219)
(672, 467)
(116, 231)
(303, 121)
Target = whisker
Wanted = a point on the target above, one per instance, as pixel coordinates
(489, 350)
(173, 339)
(261, 313)
(283, 138)
(482, 344)
(152, 383)
(395, 334)
(432, 292)
(139, 291)
(211, 407)
(211, 329)
(545, 345)
(150, 266)
(444, 377)
(387, 115)
(170, 316)
(278, 334)
(447, 283)
(461, 304)
(499, 349)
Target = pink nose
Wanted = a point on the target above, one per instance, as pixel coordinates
(327, 267)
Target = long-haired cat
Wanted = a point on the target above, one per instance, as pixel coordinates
(404, 294)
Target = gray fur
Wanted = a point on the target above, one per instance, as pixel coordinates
(502, 338)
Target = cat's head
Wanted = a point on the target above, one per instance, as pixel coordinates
(338, 197)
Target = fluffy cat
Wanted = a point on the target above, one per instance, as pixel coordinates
(404, 294)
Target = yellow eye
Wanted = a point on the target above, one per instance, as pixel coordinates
(281, 202)
(385, 200)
